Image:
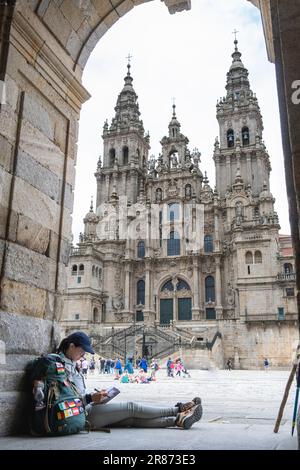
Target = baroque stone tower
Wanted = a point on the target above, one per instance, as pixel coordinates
(125, 149)
(171, 263)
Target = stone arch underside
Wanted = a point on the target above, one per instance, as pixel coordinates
(43, 49)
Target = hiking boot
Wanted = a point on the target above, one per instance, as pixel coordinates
(187, 406)
(186, 419)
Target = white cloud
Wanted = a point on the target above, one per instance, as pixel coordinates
(187, 56)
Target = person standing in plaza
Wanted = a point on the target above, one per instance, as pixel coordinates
(266, 364)
(84, 366)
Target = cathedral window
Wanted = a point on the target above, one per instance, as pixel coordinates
(93, 271)
(181, 284)
(74, 270)
(210, 314)
(209, 289)
(112, 157)
(173, 211)
(173, 247)
(281, 314)
(168, 286)
(230, 138)
(160, 227)
(125, 155)
(139, 315)
(249, 257)
(140, 292)
(290, 292)
(245, 136)
(256, 212)
(158, 195)
(81, 269)
(141, 249)
(288, 268)
(258, 257)
(96, 272)
(208, 244)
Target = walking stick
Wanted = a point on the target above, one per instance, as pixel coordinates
(287, 388)
(285, 397)
(296, 401)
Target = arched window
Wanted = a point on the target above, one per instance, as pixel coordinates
(141, 249)
(81, 269)
(173, 246)
(257, 257)
(74, 270)
(249, 257)
(168, 286)
(181, 284)
(230, 138)
(209, 289)
(288, 268)
(96, 271)
(93, 271)
(140, 292)
(125, 155)
(173, 211)
(158, 195)
(245, 136)
(100, 272)
(112, 157)
(208, 244)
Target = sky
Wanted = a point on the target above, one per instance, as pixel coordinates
(184, 56)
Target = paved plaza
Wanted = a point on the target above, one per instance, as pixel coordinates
(239, 412)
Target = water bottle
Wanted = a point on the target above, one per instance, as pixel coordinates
(38, 393)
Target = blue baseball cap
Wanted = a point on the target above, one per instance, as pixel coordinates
(81, 339)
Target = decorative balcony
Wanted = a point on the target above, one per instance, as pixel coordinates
(271, 317)
(286, 277)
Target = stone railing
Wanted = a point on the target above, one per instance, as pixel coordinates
(269, 317)
(78, 251)
(286, 277)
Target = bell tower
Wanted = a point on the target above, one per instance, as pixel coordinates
(240, 148)
(125, 149)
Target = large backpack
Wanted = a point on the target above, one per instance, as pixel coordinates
(57, 407)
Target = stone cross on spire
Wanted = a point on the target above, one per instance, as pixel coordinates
(129, 57)
(235, 39)
(174, 106)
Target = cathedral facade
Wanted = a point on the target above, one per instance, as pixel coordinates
(167, 257)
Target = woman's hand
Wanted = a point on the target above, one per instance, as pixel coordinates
(99, 396)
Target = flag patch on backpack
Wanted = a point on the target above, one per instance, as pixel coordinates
(57, 407)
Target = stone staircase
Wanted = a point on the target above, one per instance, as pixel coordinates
(162, 342)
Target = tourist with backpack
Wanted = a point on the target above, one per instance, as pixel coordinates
(75, 409)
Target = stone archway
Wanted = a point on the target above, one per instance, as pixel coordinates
(44, 47)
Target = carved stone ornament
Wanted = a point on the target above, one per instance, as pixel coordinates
(118, 301)
(230, 294)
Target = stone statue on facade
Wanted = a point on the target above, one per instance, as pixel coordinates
(230, 295)
(118, 301)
